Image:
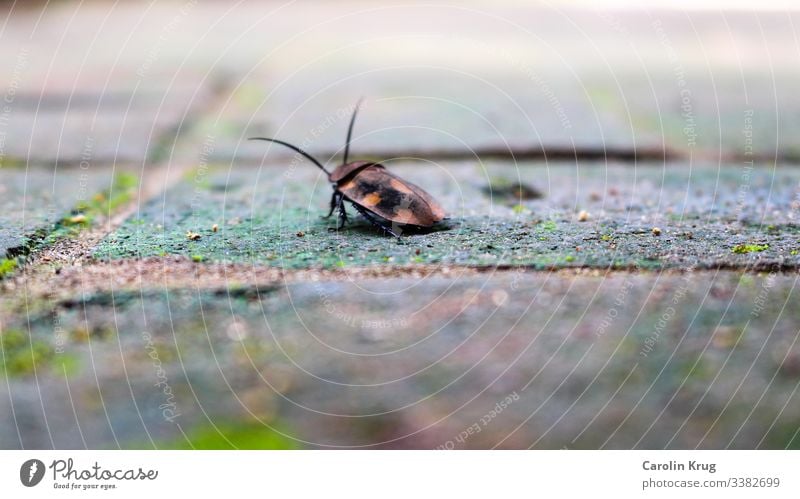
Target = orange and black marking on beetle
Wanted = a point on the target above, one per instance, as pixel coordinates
(384, 199)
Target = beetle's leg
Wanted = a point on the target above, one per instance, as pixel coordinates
(386, 228)
(334, 204)
(342, 213)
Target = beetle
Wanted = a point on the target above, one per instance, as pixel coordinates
(387, 201)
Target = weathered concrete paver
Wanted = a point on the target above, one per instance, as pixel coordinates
(621, 360)
(34, 200)
(691, 82)
(444, 77)
(121, 124)
(434, 110)
(709, 113)
(80, 87)
(703, 217)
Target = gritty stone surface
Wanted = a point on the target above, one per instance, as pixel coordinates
(702, 216)
(33, 200)
(619, 360)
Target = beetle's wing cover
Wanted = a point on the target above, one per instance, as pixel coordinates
(343, 171)
(392, 198)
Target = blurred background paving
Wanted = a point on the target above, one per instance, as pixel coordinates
(440, 78)
(588, 361)
(617, 269)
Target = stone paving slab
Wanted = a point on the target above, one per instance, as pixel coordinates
(718, 111)
(122, 123)
(415, 109)
(34, 200)
(705, 216)
(79, 86)
(446, 111)
(692, 82)
(443, 77)
(707, 360)
(595, 37)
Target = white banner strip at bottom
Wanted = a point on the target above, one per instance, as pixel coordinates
(400, 474)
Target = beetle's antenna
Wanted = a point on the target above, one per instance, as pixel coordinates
(295, 149)
(350, 130)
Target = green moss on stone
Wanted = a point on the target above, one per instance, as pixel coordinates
(7, 266)
(249, 436)
(548, 226)
(21, 354)
(121, 191)
(741, 249)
